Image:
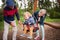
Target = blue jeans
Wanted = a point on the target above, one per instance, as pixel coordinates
(42, 30)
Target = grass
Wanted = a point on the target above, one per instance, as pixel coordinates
(51, 20)
(1, 26)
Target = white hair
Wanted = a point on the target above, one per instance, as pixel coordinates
(42, 10)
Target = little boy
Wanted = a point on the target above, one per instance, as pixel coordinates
(28, 24)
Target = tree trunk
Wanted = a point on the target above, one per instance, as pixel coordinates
(35, 5)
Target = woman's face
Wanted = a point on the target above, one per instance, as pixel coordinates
(42, 13)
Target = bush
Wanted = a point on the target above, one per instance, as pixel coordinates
(54, 13)
(1, 15)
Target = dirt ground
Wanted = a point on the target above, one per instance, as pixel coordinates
(50, 34)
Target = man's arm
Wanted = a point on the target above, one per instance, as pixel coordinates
(18, 18)
(17, 15)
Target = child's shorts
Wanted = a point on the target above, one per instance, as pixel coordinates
(34, 28)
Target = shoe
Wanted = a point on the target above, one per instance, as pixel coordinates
(29, 37)
(36, 38)
(23, 35)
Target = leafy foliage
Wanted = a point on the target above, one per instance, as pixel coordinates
(54, 12)
(1, 15)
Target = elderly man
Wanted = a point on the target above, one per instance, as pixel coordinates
(39, 17)
(9, 12)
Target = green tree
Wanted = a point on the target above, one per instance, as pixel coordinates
(30, 5)
(44, 4)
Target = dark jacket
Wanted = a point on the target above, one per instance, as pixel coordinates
(35, 15)
(29, 21)
(10, 13)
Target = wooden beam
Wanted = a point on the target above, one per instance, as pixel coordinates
(52, 25)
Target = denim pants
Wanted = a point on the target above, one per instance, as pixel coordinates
(42, 30)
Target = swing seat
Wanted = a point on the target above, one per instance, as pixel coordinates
(35, 28)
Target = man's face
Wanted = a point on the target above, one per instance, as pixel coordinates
(12, 7)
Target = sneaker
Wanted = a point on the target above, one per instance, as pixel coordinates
(29, 37)
(23, 35)
(36, 37)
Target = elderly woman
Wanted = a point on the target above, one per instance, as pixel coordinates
(39, 17)
(9, 12)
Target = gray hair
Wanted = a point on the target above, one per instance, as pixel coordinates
(42, 10)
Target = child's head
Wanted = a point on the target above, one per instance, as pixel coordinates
(42, 12)
(27, 15)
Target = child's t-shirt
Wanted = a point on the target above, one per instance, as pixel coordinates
(29, 21)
